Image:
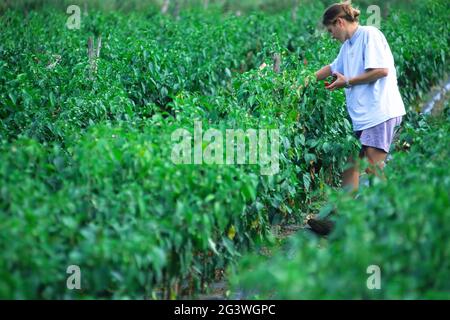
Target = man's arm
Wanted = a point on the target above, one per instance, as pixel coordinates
(323, 73)
(369, 76)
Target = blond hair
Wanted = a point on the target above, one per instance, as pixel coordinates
(342, 10)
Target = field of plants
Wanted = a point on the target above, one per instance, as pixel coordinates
(86, 176)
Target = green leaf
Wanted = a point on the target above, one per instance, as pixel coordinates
(212, 245)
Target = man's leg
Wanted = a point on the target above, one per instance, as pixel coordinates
(376, 159)
(350, 176)
(350, 182)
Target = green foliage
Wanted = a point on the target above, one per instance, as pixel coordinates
(419, 63)
(400, 225)
(85, 169)
(142, 65)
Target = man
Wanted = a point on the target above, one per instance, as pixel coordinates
(365, 68)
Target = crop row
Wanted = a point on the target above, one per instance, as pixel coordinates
(86, 170)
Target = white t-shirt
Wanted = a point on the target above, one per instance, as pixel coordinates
(372, 103)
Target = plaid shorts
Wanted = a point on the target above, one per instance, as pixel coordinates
(381, 135)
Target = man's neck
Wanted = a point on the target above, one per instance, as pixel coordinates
(352, 29)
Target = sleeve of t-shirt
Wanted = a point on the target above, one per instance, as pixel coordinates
(337, 65)
(376, 51)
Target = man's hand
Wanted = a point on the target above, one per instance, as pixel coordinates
(339, 83)
(371, 75)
